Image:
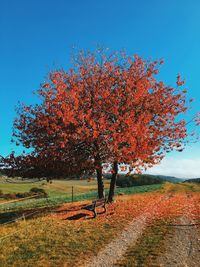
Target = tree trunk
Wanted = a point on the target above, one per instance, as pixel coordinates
(113, 182)
(101, 192)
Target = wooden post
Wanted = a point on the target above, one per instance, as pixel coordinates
(72, 194)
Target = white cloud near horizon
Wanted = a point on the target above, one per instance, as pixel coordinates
(181, 168)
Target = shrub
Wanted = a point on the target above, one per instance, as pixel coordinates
(39, 191)
(23, 195)
(34, 191)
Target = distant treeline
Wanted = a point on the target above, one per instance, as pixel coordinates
(143, 179)
(138, 179)
(195, 180)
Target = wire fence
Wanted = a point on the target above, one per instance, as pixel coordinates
(70, 195)
(65, 195)
(146, 213)
(20, 199)
(23, 217)
(74, 195)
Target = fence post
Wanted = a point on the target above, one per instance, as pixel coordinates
(72, 194)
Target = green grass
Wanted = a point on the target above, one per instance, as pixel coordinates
(138, 189)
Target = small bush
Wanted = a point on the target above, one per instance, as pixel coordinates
(23, 195)
(34, 191)
(38, 191)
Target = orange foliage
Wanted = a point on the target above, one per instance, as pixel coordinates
(113, 105)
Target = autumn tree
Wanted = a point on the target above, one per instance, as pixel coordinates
(38, 166)
(109, 108)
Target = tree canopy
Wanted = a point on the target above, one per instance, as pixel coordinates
(107, 108)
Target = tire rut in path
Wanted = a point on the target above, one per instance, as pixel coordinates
(115, 249)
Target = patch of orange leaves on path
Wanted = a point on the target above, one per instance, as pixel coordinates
(178, 205)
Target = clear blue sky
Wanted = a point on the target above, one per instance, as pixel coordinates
(36, 36)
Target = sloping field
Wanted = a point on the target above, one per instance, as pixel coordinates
(60, 191)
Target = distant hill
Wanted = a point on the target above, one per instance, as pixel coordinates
(194, 180)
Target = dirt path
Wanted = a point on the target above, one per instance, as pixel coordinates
(183, 249)
(114, 250)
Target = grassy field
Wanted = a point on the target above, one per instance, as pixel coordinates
(60, 191)
(55, 239)
(56, 188)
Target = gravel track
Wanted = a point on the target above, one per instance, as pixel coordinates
(109, 256)
(183, 249)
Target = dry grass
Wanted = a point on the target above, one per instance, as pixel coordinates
(55, 241)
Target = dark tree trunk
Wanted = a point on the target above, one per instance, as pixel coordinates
(101, 193)
(113, 182)
(98, 166)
